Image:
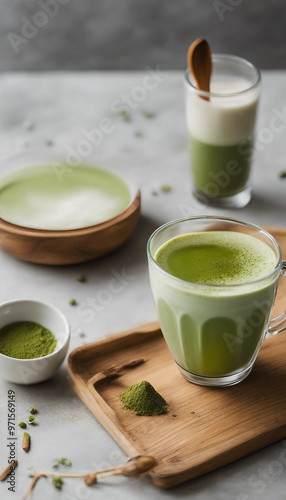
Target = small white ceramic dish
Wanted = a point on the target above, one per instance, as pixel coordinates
(33, 371)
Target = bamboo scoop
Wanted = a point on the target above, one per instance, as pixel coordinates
(135, 467)
(200, 64)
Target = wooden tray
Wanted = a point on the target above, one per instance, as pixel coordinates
(205, 428)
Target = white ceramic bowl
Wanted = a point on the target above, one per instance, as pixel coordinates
(32, 371)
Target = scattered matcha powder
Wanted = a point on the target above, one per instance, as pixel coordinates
(32, 420)
(148, 114)
(82, 335)
(49, 142)
(166, 188)
(61, 461)
(72, 302)
(66, 462)
(57, 482)
(26, 340)
(28, 125)
(125, 116)
(81, 278)
(143, 399)
(138, 133)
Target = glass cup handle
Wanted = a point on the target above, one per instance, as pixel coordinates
(278, 324)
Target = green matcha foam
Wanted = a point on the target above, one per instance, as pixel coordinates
(62, 198)
(216, 258)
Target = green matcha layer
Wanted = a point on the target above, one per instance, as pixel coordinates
(62, 197)
(216, 258)
(220, 170)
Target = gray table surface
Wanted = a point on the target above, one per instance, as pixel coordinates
(60, 106)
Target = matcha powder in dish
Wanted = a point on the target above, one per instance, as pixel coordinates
(26, 340)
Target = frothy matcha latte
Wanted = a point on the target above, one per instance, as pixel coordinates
(220, 133)
(62, 197)
(216, 258)
(214, 331)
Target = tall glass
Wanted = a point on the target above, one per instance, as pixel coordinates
(214, 332)
(221, 127)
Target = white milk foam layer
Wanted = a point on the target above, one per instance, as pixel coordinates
(71, 211)
(223, 121)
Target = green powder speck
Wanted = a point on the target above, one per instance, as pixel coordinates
(57, 482)
(138, 133)
(125, 115)
(81, 278)
(143, 399)
(148, 114)
(26, 340)
(166, 188)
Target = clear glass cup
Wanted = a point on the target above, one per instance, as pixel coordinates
(221, 126)
(214, 332)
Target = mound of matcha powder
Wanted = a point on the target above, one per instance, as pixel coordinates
(143, 399)
(26, 340)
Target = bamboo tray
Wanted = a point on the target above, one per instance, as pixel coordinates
(205, 428)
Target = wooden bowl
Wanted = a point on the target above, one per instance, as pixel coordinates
(72, 246)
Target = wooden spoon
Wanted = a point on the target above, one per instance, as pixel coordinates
(136, 466)
(200, 64)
